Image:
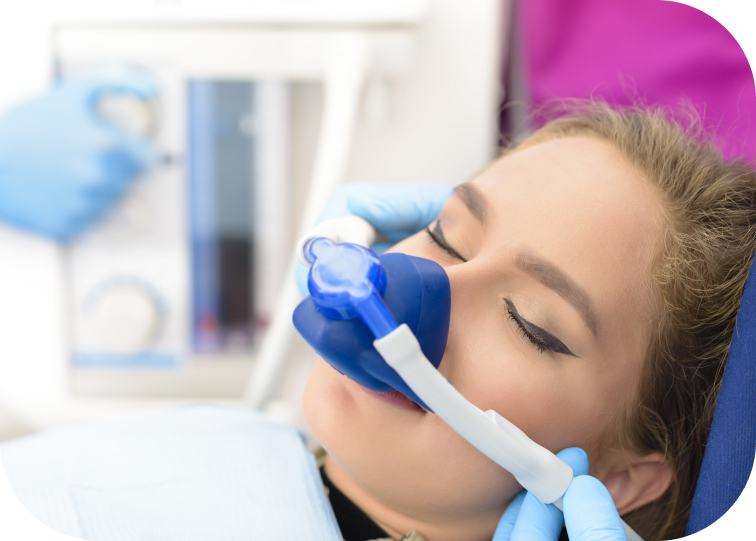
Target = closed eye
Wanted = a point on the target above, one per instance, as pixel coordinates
(540, 338)
(437, 236)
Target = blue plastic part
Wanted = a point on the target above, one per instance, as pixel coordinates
(374, 313)
(416, 292)
(346, 281)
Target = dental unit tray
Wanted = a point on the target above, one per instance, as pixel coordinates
(347, 281)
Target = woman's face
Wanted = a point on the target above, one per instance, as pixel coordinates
(549, 254)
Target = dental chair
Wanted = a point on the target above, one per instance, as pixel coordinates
(728, 460)
(211, 473)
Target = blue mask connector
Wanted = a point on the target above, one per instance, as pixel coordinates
(348, 281)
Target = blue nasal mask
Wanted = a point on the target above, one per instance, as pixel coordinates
(364, 297)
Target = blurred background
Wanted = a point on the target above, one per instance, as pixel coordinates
(167, 297)
(256, 111)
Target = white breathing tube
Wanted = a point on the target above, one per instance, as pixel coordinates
(537, 469)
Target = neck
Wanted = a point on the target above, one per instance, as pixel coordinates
(397, 523)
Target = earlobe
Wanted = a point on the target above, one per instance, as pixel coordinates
(642, 480)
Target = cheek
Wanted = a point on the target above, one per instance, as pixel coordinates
(558, 402)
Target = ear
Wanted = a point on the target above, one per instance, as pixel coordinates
(637, 480)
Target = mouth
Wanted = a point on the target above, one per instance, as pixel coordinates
(394, 398)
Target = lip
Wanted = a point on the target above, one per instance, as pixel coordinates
(394, 398)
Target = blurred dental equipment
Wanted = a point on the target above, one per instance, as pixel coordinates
(399, 304)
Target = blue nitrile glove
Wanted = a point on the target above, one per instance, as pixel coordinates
(395, 210)
(62, 167)
(589, 512)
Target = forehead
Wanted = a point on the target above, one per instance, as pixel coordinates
(580, 204)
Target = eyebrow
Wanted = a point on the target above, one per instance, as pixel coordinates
(552, 277)
(473, 200)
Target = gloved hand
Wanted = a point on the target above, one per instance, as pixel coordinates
(589, 512)
(395, 210)
(61, 166)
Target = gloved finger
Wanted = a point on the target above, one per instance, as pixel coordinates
(576, 458)
(590, 512)
(384, 242)
(116, 79)
(136, 154)
(100, 202)
(300, 275)
(406, 208)
(51, 228)
(88, 205)
(537, 521)
(381, 247)
(72, 231)
(541, 522)
(399, 235)
(76, 225)
(509, 518)
(123, 159)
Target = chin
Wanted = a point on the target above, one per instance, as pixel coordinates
(329, 407)
(352, 426)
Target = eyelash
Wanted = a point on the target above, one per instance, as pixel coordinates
(538, 344)
(549, 343)
(438, 241)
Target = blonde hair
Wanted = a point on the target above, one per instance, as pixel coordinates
(708, 243)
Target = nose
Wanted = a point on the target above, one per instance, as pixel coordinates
(464, 282)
